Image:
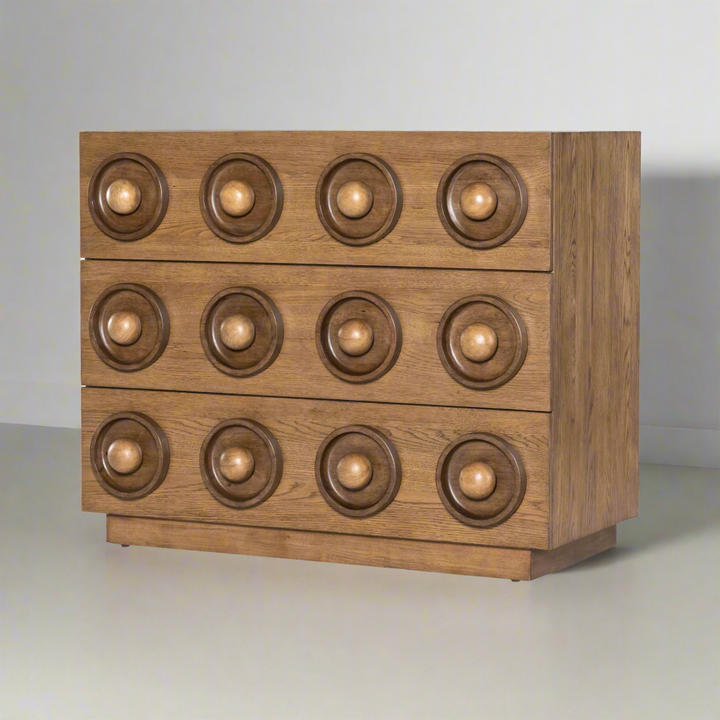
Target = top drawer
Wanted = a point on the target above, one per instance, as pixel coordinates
(445, 200)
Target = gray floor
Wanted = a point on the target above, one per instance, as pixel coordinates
(90, 630)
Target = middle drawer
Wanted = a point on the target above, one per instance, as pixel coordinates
(436, 337)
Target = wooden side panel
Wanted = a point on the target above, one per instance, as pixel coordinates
(595, 332)
(419, 297)
(300, 426)
(419, 160)
(327, 547)
(543, 562)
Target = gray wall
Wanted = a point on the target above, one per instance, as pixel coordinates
(484, 65)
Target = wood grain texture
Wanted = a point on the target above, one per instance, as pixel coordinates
(595, 332)
(420, 159)
(419, 297)
(300, 426)
(512, 564)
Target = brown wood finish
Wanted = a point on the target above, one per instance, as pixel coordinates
(508, 476)
(418, 159)
(595, 329)
(241, 197)
(358, 199)
(300, 426)
(358, 336)
(419, 297)
(477, 560)
(255, 478)
(128, 326)
(497, 217)
(241, 331)
(476, 358)
(370, 450)
(127, 196)
(129, 455)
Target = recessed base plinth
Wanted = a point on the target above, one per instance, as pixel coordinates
(509, 563)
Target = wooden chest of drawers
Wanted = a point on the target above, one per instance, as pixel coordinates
(412, 350)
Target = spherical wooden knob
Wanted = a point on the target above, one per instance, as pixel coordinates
(123, 197)
(237, 198)
(124, 327)
(237, 464)
(354, 199)
(354, 471)
(237, 332)
(355, 337)
(478, 201)
(478, 342)
(477, 480)
(124, 456)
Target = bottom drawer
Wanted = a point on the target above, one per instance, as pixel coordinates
(371, 469)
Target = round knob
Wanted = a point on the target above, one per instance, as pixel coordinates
(237, 332)
(477, 480)
(354, 199)
(124, 456)
(478, 342)
(124, 328)
(354, 471)
(237, 198)
(237, 464)
(355, 337)
(123, 197)
(478, 201)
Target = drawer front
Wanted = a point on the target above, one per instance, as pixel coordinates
(453, 200)
(301, 331)
(190, 441)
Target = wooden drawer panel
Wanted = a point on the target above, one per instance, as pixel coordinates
(419, 160)
(419, 434)
(418, 297)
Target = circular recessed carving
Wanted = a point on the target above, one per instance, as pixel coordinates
(241, 197)
(358, 199)
(241, 463)
(358, 470)
(129, 455)
(480, 479)
(482, 341)
(358, 336)
(241, 331)
(129, 326)
(482, 201)
(127, 196)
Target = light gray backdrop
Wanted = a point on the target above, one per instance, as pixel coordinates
(648, 65)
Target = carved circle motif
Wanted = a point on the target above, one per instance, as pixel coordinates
(341, 470)
(129, 326)
(358, 198)
(473, 216)
(344, 344)
(241, 197)
(475, 454)
(459, 345)
(250, 454)
(129, 455)
(241, 331)
(127, 196)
